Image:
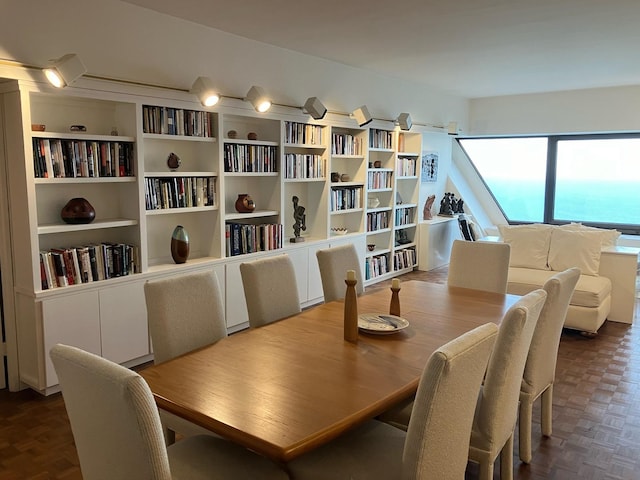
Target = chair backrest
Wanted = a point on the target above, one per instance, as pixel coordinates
(113, 417)
(497, 408)
(334, 263)
(270, 289)
(184, 312)
(479, 265)
(437, 443)
(540, 369)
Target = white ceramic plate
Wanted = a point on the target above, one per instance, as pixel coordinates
(381, 323)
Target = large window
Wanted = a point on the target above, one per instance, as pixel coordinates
(593, 179)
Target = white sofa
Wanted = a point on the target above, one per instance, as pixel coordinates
(606, 288)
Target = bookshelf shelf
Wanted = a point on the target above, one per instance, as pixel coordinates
(254, 214)
(95, 225)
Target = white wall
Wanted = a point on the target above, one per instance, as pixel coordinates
(612, 109)
(120, 40)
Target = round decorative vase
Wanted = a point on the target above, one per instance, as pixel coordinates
(173, 161)
(345, 177)
(335, 176)
(78, 211)
(180, 244)
(232, 134)
(244, 203)
(252, 136)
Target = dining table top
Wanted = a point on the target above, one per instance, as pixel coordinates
(290, 386)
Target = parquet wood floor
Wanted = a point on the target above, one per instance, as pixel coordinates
(596, 417)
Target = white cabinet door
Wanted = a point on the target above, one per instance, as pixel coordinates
(314, 285)
(236, 305)
(72, 320)
(123, 322)
(300, 260)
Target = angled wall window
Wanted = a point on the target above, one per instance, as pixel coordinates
(592, 179)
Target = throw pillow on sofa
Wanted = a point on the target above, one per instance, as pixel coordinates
(609, 236)
(575, 248)
(529, 244)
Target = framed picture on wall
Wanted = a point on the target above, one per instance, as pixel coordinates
(429, 167)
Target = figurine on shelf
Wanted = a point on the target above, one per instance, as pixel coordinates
(300, 217)
(426, 213)
(459, 206)
(447, 205)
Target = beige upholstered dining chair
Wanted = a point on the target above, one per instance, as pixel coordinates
(270, 289)
(334, 263)
(540, 369)
(184, 312)
(436, 443)
(118, 434)
(497, 409)
(479, 265)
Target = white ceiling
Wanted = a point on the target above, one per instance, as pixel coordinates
(471, 48)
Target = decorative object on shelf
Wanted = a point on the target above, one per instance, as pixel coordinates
(394, 307)
(448, 205)
(38, 127)
(373, 202)
(426, 212)
(244, 203)
(335, 176)
(232, 134)
(78, 211)
(399, 200)
(77, 128)
(429, 167)
(402, 237)
(299, 217)
(371, 247)
(179, 244)
(351, 308)
(252, 136)
(339, 231)
(459, 207)
(377, 164)
(173, 161)
(114, 131)
(345, 177)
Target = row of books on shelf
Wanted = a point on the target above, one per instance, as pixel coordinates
(404, 215)
(248, 238)
(380, 139)
(406, 166)
(179, 192)
(177, 121)
(378, 180)
(298, 165)
(404, 258)
(376, 266)
(302, 133)
(56, 158)
(61, 267)
(250, 158)
(345, 198)
(346, 144)
(377, 221)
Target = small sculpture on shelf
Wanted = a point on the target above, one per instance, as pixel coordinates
(173, 161)
(459, 206)
(78, 211)
(299, 217)
(244, 203)
(179, 244)
(426, 213)
(402, 238)
(448, 205)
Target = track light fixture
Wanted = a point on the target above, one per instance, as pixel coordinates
(65, 70)
(404, 121)
(258, 99)
(362, 115)
(315, 108)
(205, 90)
(452, 128)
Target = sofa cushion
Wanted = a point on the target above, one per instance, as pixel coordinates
(529, 244)
(575, 248)
(591, 291)
(609, 236)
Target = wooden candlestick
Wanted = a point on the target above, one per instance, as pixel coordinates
(394, 307)
(351, 309)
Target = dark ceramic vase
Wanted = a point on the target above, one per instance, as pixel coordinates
(244, 203)
(78, 211)
(180, 245)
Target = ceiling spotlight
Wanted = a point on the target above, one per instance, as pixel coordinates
(452, 128)
(258, 99)
(65, 70)
(315, 108)
(404, 121)
(362, 115)
(205, 90)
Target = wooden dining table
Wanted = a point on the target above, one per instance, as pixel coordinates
(288, 387)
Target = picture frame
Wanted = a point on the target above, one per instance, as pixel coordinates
(429, 167)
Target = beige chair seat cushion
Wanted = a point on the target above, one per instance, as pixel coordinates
(590, 292)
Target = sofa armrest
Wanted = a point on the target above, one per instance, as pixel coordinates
(620, 265)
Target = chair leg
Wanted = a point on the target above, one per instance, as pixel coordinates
(506, 460)
(486, 470)
(169, 436)
(524, 429)
(547, 411)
